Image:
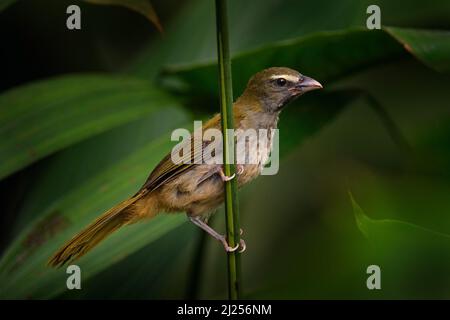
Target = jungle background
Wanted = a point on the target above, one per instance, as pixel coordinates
(364, 179)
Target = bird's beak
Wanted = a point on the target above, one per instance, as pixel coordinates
(308, 84)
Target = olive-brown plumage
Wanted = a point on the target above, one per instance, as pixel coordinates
(197, 189)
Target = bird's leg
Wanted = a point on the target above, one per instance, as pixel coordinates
(240, 169)
(198, 222)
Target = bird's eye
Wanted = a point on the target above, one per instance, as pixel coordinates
(281, 82)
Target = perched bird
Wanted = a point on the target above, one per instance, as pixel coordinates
(198, 188)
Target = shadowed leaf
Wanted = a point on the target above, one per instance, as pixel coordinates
(41, 118)
(23, 269)
(326, 56)
(430, 47)
(143, 7)
(385, 230)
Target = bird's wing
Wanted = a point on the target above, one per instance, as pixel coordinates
(167, 170)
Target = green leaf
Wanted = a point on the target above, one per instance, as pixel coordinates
(65, 183)
(406, 252)
(23, 270)
(160, 270)
(143, 7)
(430, 47)
(326, 56)
(385, 230)
(71, 167)
(40, 118)
(253, 24)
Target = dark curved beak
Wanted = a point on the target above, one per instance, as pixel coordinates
(308, 84)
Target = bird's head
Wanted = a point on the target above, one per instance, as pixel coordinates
(275, 87)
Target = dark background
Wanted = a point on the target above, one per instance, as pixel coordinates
(300, 227)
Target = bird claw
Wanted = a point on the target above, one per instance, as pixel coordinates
(228, 248)
(224, 177)
(228, 178)
(242, 245)
(240, 170)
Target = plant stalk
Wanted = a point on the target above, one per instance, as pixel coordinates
(229, 146)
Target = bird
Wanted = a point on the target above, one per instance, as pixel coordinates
(197, 188)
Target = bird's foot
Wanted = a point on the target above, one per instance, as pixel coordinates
(240, 170)
(229, 248)
(225, 177)
(198, 221)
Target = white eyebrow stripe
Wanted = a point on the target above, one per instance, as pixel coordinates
(288, 77)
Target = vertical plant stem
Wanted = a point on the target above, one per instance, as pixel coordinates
(226, 108)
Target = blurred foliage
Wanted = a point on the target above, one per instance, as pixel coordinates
(328, 55)
(143, 7)
(74, 145)
(47, 116)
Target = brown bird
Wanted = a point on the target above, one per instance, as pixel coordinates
(198, 188)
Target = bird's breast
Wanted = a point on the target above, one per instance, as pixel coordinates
(253, 149)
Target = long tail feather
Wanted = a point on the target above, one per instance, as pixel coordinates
(107, 223)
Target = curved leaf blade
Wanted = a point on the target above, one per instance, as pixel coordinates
(41, 118)
(28, 254)
(326, 56)
(250, 29)
(430, 47)
(399, 231)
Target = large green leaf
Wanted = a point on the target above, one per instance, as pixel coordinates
(26, 258)
(325, 56)
(406, 252)
(376, 230)
(72, 166)
(41, 118)
(190, 37)
(160, 270)
(431, 47)
(79, 183)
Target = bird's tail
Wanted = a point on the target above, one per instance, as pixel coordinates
(124, 213)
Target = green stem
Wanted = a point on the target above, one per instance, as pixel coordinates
(226, 108)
